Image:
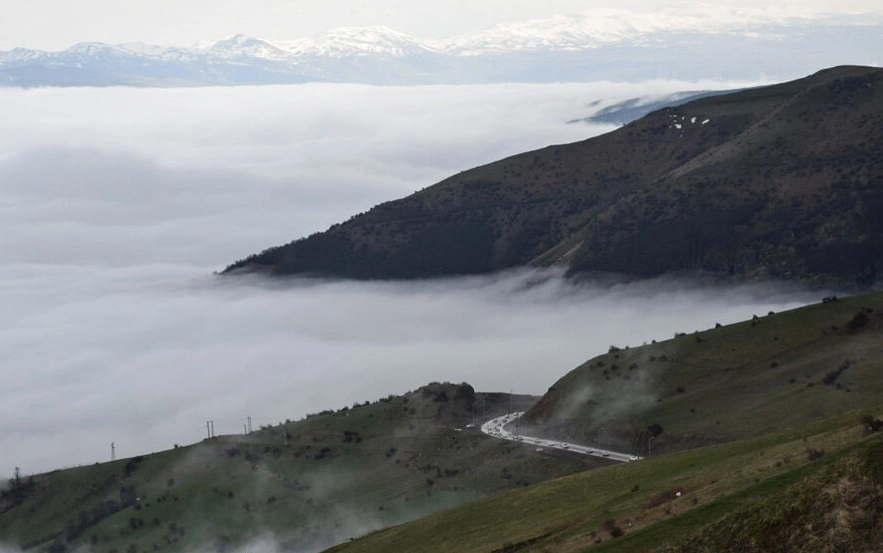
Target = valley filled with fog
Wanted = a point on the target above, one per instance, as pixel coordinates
(119, 204)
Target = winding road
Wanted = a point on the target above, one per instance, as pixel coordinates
(497, 428)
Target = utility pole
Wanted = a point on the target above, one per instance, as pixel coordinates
(17, 477)
(113, 452)
(249, 425)
(510, 401)
(213, 428)
(208, 433)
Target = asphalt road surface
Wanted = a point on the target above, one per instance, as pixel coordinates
(498, 429)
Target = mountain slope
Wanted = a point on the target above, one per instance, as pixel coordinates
(801, 470)
(783, 181)
(814, 489)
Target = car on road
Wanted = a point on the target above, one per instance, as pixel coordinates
(633, 457)
(605, 454)
(539, 449)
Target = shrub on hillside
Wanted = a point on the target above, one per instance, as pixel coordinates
(858, 321)
(812, 454)
(871, 424)
(615, 530)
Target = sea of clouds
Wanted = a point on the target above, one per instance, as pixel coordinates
(117, 205)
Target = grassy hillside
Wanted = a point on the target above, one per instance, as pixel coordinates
(309, 484)
(780, 181)
(762, 375)
(772, 399)
(817, 488)
(799, 469)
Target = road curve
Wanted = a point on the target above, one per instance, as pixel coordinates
(497, 428)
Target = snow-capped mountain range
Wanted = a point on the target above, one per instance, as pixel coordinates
(605, 44)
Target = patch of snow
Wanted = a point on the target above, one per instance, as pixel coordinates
(359, 41)
(242, 46)
(23, 55)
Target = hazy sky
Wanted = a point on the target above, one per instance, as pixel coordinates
(56, 24)
(117, 204)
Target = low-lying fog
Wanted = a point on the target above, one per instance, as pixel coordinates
(116, 205)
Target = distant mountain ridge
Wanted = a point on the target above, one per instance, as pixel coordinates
(784, 181)
(627, 111)
(599, 45)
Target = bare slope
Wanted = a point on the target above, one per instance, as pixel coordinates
(780, 181)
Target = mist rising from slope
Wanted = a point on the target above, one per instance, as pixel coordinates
(158, 357)
(117, 204)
